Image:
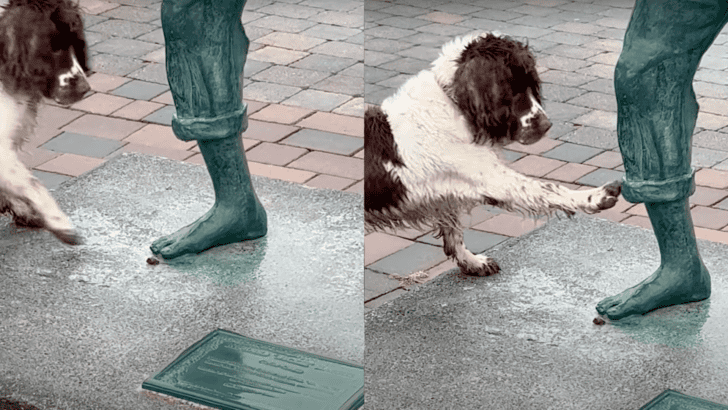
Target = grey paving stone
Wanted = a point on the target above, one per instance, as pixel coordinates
(511, 156)
(592, 137)
(253, 67)
(457, 8)
(370, 16)
(720, 205)
(572, 152)
(131, 13)
(706, 158)
(114, 65)
(374, 75)
(372, 5)
(290, 41)
(140, 90)
(356, 39)
(384, 45)
(162, 116)
(559, 93)
(586, 8)
(297, 77)
(356, 71)
(524, 33)
(563, 112)
(279, 23)
(426, 39)
(407, 11)
(403, 22)
(558, 128)
(377, 58)
(600, 177)
(477, 24)
(576, 16)
(599, 119)
(122, 28)
(445, 30)
(578, 52)
(330, 32)
(336, 18)
(416, 257)
(475, 241)
(93, 38)
(561, 63)
(535, 10)
(395, 82)
(613, 33)
(406, 65)
(704, 89)
(376, 97)
(378, 283)
(254, 33)
(566, 78)
(620, 13)
(339, 49)
(569, 38)
(324, 63)
(268, 92)
(537, 21)
(140, 3)
(597, 71)
(712, 76)
(49, 179)
(325, 141)
(250, 16)
(125, 47)
(85, 145)
(342, 84)
(428, 54)
(337, 5)
(601, 85)
(151, 72)
(596, 100)
(317, 100)
(289, 10)
(711, 139)
(392, 33)
(156, 36)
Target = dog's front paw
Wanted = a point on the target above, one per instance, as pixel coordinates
(481, 266)
(604, 197)
(69, 236)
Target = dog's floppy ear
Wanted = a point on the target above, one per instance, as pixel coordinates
(67, 18)
(21, 43)
(482, 95)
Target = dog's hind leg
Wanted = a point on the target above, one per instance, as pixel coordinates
(469, 264)
(29, 201)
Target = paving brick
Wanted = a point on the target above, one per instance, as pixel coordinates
(274, 154)
(597, 70)
(53, 116)
(452, 31)
(416, 257)
(338, 19)
(70, 164)
(281, 114)
(330, 164)
(276, 55)
(378, 301)
(32, 157)
(572, 152)
(592, 137)
(443, 18)
(276, 172)
(140, 90)
(596, 100)
(576, 27)
(352, 108)
(324, 63)
(114, 65)
(341, 84)
(175, 154)
(84, 145)
(103, 127)
(641, 221)
(103, 83)
(707, 196)
(599, 119)
(570, 172)
(638, 209)
(378, 245)
(711, 121)
(125, 47)
(335, 123)
(49, 179)
(709, 217)
(357, 188)
(539, 147)
(158, 136)
(711, 235)
(317, 100)
(137, 110)
(377, 284)
(607, 159)
(280, 23)
(509, 225)
(289, 10)
(340, 49)
(712, 178)
(706, 158)
(566, 78)
(268, 92)
(330, 182)
(94, 7)
(290, 41)
(476, 241)
(164, 98)
(325, 141)
(535, 165)
(561, 112)
(100, 103)
(297, 77)
(266, 131)
(330, 32)
(561, 63)
(600, 177)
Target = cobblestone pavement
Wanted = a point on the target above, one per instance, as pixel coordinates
(577, 44)
(303, 85)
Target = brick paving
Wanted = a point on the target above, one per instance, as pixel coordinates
(577, 44)
(303, 85)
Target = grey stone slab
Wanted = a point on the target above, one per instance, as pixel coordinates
(49, 179)
(156, 36)
(114, 65)
(338, 5)
(296, 77)
(425, 53)
(613, 33)
(384, 45)
(564, 64)
(530, 328)
(416, 257)
(268, 92)
(357, 39)
(339, 49)
(289, 10)
(403, 22)
(89, 20)
(559, 93)
(426, 39)
(602, 85)
(572, 152)
(457, 8)
(95, 38)
(324, 63)
(395, 82)
(162, 116)
(325, 141)
(566, 78)
(253, 67)
(85, 145)
(566, 50)
(356, 71)
(592, 137)
(140, 90)
(563, 112)
(374, 75)
(569, 38)
(123, 28)
(596, 100)
(317, 100)
(377, 95)
(407, 11)
(132, 13)
(351, 20)
(559, 128)
(542, 22)
(392, 33)
(711, 139)
(475, 241)
(378, 283)
(330, 32)
(512, 156)
(500, 15)
(375, 58)
(535, 10)
(279, 23)
(84, 326)
(446, 30)
(151, 73)
(600, 177)
(406, 65)
(341, 84)
(706, 158)
(712, 76)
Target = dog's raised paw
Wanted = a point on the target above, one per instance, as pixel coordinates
(69, 236)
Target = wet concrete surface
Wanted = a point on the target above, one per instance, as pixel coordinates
(82, 327)
(524, 339)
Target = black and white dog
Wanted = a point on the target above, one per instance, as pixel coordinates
(42, 55)
(431, 150)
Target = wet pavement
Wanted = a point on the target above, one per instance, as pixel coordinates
(84, 326)
(524, 338)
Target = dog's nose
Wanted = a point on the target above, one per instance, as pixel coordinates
(542, 122)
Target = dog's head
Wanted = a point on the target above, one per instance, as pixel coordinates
(493, 81)
(43, 49)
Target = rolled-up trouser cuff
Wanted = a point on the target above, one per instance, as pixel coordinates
(668, 190)
(187, 129)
